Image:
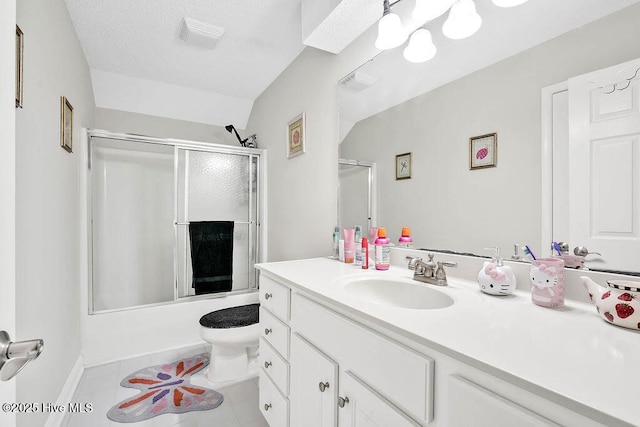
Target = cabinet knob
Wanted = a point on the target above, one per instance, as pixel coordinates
(342, 401)
(267, 406)
(267, 364)
(323, 386)
(267, 331)
(267, 295)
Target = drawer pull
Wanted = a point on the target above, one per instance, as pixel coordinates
(267, 364)
(323, 386)
(342, 401)
(267, 406)
(267, 331)
(267, 295)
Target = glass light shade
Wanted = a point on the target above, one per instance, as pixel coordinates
(463, 20)
(420, 48)
(508, 3)
(391, 33)
(427, 10)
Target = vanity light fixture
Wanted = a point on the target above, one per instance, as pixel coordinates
(508, 3)
(420, 48)
(391, 33)
(428, 10)
(463, 20)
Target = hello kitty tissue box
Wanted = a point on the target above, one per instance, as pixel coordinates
(496, 279)
(547, 282)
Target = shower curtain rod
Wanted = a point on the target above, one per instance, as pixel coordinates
(235, 222)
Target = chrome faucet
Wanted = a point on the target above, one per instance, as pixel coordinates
(428, 273)
(412, 262)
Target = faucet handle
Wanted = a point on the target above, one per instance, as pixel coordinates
(440, 273)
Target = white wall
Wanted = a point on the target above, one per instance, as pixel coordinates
(7, 189)
(448, 206)
(163, 127)
(302, 208)
(120, 92)
(48, 199)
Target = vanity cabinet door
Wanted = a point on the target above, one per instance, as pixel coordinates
(361, 406)
(470, 405)
(314, 386)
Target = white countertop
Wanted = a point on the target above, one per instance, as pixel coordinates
(569, 351)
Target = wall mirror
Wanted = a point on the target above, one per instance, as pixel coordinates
(449, 206)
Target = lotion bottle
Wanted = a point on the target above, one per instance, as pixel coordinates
(358, 244)
(495, 278)
(349, 245)
(382, 250)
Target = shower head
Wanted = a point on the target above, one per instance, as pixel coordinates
(243, 142)
(231, 128)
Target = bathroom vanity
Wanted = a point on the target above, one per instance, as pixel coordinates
(337, 351)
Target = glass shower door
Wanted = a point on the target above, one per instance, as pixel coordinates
(131, 224)
(214, 187)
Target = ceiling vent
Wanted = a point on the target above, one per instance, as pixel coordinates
(200, 33)
(357, 81)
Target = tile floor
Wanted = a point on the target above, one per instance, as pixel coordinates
(100, 386)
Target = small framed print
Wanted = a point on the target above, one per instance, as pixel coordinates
(296, 135)
(66, 124)
(19, 56)
(403, 166)
(483, 151)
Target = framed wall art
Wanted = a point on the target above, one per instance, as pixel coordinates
(19, 58)
(296, 135)
(66, 124)
(403, 166)
(483, 151)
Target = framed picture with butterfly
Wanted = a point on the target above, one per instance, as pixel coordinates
(483, 151)
(403, 166)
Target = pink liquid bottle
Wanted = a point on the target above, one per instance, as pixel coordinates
(382, 250)
(405, 240)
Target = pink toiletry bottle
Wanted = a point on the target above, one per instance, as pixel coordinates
(405, 240)
(382, 250)
(365, 253)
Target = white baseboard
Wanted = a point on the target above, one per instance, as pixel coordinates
(66, 395)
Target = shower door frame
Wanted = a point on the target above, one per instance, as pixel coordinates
(257, 248)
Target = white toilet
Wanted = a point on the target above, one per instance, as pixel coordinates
(233, 334)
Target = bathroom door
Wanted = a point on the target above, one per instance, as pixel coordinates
(7, 191)
(604, 206)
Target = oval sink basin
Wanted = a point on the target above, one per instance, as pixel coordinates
(397, 293)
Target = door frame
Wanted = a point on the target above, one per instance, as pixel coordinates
(546, 187)
(7, 191)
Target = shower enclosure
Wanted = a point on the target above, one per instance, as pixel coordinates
(144, 192)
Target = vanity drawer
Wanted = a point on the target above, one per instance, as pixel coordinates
(274, 365)
(400, 374)
(273, 405)
(275, 332)
(275, 297)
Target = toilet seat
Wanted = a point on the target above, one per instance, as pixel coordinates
(232, 317)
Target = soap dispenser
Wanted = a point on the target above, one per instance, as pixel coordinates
(495, 278)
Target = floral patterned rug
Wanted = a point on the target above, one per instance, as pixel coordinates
(165, 389)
